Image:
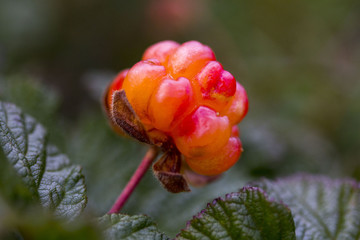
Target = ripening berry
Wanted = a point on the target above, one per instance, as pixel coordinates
(161, 51)
(202, 133)
(217, 86)
(188, 59)
(235, 131)
(172, 100)
(140, 83)
(217, 163)
(238, 107)
(185, 99)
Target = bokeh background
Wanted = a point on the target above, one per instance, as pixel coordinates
(298, 60)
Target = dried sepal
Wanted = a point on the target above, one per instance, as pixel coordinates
(107, 109)
(123, 115)
(167, 171)
(104, 102)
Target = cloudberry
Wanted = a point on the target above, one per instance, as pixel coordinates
(184, 99)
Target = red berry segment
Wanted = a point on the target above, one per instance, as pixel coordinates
(202, 133)
(226, 85)
(183, 95)
(238, 107)
(208, 77)
(216, 85)
(235, 131)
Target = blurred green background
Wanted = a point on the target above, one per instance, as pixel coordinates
(298, 60)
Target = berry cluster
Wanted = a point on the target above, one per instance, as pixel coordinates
(182, 94)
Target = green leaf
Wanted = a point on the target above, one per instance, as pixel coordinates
(322, 208)
(48, 174)
(248, 214)
(120, 226)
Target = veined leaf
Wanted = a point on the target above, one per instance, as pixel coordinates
(48, 174)
(322, 208)
(248, 214)
(121, 226)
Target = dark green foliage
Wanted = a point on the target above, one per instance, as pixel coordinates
(35, 178)
(323, 208)
(248, 214)
(120, 226)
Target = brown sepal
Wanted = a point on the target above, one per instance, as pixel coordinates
(124, 116)
(107, 110)
(167, 170)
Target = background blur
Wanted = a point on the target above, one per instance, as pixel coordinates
(298, 60)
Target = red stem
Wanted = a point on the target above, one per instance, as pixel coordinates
(135, 179)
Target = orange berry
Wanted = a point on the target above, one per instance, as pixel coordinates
(140, 83)
(161, 51)
(188, 59)
(184, 99)
(237, 108)
(170, 102)
(219, 162)
(202, 133)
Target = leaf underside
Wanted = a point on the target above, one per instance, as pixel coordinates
(244, 215)
(121, 226)
(322, 208)
(47, 173)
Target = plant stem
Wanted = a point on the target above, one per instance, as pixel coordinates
(135, 179)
